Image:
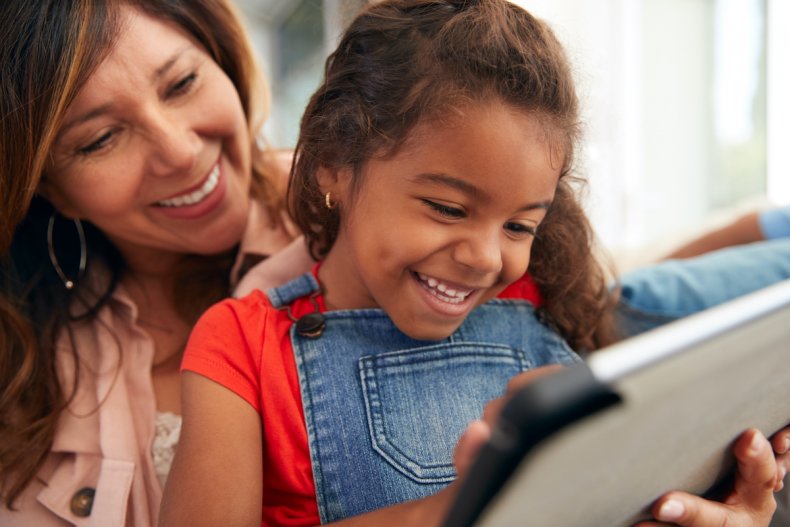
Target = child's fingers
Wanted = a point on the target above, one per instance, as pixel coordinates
(522, 379)
(751, 504)
(687, 510)
(475, 436)
(494, 408)
(780, 441)
(757, 472)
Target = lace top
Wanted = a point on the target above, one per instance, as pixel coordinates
(168, 430)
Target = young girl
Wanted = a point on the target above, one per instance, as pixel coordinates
(434, 169)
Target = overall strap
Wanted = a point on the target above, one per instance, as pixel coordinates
(290, 291)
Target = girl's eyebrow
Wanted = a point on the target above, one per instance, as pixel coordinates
(469, 189)
(449, 181)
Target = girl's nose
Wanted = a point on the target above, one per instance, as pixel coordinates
(480, 251)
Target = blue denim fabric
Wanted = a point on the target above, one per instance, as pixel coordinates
(775, 223)
(659, 294)
(384, 411)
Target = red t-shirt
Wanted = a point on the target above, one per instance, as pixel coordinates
(244, 345)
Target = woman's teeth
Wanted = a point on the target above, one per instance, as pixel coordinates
(196, 196)
(442, 291)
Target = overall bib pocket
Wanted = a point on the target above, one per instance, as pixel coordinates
(418, 401)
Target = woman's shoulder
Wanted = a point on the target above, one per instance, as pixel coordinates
(278, 269)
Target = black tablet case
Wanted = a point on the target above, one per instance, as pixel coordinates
(597, 443)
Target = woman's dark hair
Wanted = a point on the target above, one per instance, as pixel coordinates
(48, 49)
(405, 62)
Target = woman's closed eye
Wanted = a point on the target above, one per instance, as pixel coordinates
(445, 211)
(98, 144)
(182, 86)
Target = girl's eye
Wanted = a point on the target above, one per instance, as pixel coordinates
(182, 86)
(520, 229)
(97, 145)
(444, 210)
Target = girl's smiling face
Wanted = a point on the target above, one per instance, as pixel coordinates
(445, 224)
(155, 149)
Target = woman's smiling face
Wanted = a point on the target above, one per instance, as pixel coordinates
(445, 224)
(155, 149)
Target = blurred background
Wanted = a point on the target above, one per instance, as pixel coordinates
(685, 104)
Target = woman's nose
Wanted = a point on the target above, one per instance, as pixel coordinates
(175, 144)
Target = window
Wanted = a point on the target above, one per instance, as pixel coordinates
(293, 38)
(675, 95)
(684, 101)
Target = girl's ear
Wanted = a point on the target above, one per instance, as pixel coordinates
(337, 181)
(327, 179)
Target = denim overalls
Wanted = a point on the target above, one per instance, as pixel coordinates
(384, 411)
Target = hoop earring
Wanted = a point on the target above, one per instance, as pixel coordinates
(328, 201)
(67, 282)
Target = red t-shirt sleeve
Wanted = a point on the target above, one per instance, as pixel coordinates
(226, 343)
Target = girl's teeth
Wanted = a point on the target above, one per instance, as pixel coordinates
(443, 292)
(198, 195)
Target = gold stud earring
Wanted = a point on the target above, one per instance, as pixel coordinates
(328, 201)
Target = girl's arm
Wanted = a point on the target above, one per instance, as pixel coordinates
(216, 477)
(217, 472)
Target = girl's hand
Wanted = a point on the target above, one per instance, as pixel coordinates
(478, 431)
(751, 502)
(781, 444)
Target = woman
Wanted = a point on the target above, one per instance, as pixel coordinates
(133, 193)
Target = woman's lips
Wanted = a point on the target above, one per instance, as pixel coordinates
(198, 202)
(195, 196)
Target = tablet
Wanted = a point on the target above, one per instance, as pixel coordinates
(597, 443)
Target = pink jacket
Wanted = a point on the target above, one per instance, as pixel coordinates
(100, 471)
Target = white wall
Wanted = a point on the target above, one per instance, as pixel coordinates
(656, 96)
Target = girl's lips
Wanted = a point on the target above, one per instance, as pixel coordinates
(447, 291)
(199, 202)
(452, 302)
